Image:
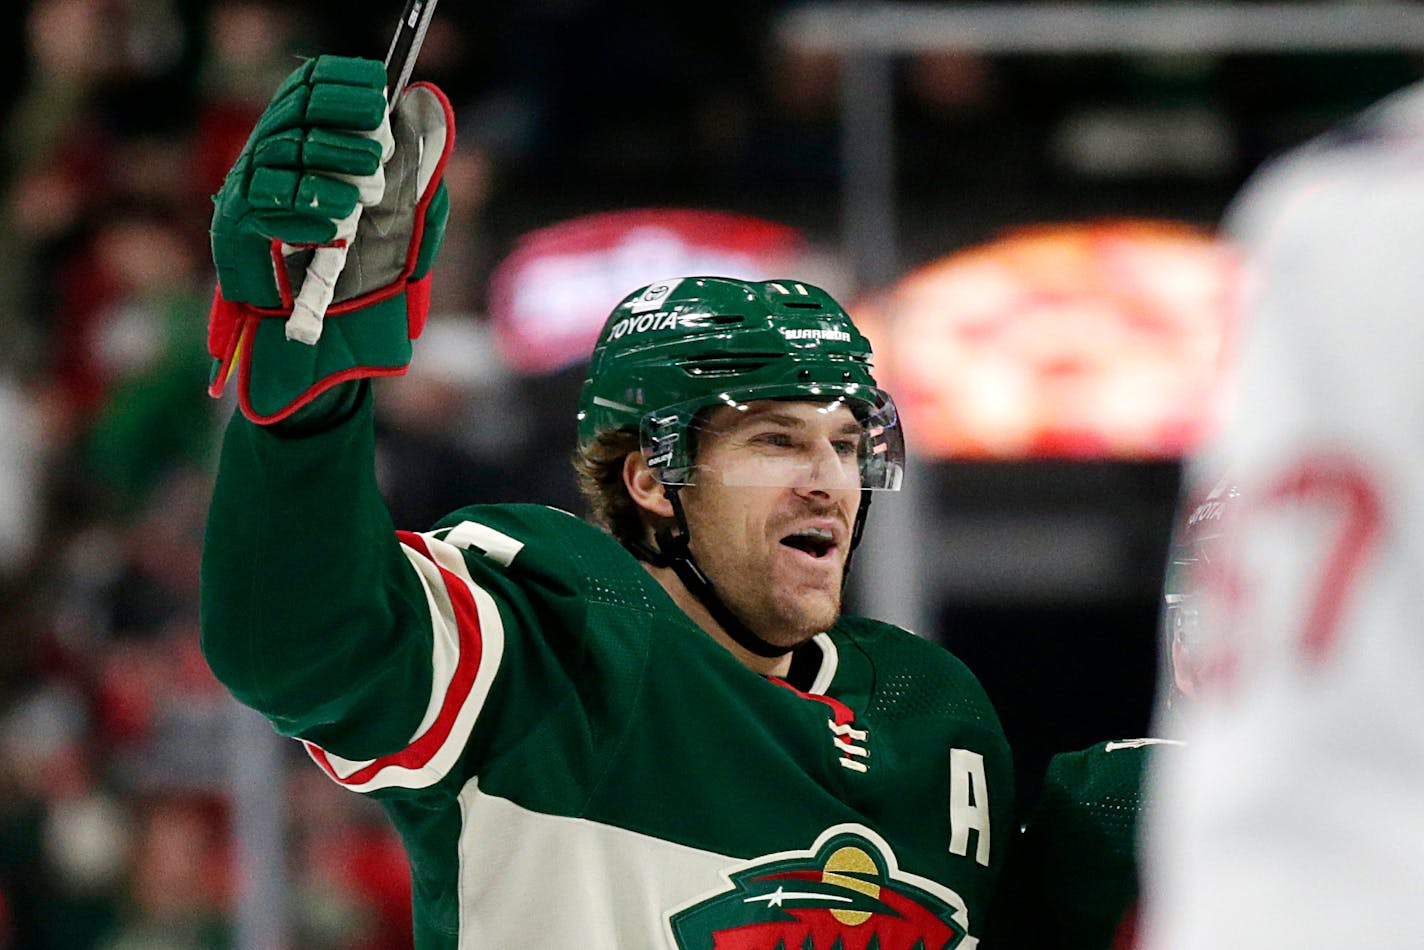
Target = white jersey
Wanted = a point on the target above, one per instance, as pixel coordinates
(1294, 817)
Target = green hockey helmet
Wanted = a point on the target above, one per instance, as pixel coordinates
(675, 350)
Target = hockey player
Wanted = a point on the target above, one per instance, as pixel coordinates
(1073, 880)
(1293, 817)
(654, 732)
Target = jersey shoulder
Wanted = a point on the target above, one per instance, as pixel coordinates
(537, 544)
(1319, 188)
(541, 526)
(1113, 767)
(912, 675)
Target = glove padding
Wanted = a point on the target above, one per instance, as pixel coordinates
(322, 146)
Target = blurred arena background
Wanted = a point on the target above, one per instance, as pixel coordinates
(1023, 220)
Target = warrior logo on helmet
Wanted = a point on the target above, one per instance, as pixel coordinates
(846, 892)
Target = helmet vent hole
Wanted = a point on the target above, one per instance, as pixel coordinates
(728, 319)
(802, 305)
(722, 367)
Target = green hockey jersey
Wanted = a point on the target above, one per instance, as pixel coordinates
(569, 760)
(1073, 884)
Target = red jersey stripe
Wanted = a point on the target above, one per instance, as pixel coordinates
(423, 749)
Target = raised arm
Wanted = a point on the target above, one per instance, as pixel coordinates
(311, 610)
(308, 604)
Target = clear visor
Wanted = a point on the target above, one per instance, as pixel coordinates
(1181, 618)
(832, 442)
(1182, 598)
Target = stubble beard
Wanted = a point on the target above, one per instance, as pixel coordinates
(779, 612)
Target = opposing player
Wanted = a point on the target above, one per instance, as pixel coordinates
(1292, 818)
(655, 732)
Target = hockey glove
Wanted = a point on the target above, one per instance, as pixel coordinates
(322, 146)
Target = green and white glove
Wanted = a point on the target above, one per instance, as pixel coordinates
(323, 146)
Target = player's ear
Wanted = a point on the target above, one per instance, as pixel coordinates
(643, 486)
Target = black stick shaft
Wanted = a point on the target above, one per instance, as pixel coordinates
(405, 45)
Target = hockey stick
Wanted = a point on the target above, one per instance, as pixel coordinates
(309, 309)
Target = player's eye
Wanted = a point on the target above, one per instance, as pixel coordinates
(846, 448)
(779, 440)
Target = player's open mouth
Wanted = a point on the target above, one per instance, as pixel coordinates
(819, 543)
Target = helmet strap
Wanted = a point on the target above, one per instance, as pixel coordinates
(644, 551)
(859, 529)
(673, 551)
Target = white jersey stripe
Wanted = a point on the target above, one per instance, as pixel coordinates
(467, 645)
(445, 639)
(830, 660)
(602, 887)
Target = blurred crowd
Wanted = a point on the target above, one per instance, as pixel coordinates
(114, 813)
(120, 118)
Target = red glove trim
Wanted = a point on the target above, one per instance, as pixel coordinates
(417, 306)
(312, 391)
(226, 323)
(232, 323)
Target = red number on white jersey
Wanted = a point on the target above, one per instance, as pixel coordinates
(1296, 557)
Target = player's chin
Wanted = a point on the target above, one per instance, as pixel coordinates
(807, 601)
(813, 611)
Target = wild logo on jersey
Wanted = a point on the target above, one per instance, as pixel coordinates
(846, 893)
